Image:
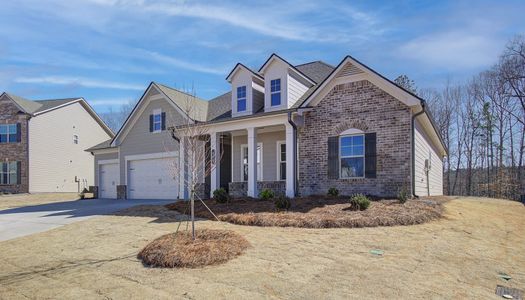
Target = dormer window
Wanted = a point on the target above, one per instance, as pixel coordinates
(241, 98)
(275, 86)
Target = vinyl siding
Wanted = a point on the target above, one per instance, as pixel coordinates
(425, 150)
(295, 90)
(99, 157)
(276, 70)
(54, 160)
(269, 159)
(140, 141)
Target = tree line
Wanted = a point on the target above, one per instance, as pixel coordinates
(482, 123)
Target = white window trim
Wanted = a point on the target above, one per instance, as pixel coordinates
(258, 169)
(245, 99)
(279, 161)
(340, 157)
(8, 135)
(155, 112)
(8, 172)
(275, 92)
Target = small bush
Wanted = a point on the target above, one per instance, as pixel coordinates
(266, 194)
(333, 192)
(359, 202)
(220, 195)
(282, 202)
(403, 195)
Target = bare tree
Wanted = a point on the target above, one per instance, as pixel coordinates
(196, 159)
(406, 83)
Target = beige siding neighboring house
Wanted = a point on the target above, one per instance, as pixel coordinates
(57, 140)
(319, 127)
(55, 133)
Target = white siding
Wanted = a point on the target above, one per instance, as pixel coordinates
(269, 159)
(276, 70)
(54, 160)
(244, 78)
(295, 90)
(425, 150)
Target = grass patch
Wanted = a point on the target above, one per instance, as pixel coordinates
(178, 250)
(319, 212)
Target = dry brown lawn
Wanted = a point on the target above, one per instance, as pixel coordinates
(318, 212)
(18, 200)
(458, 256)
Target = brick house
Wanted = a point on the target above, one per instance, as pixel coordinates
(296, 129)
(42, 144)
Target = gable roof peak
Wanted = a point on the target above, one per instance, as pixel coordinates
(242, 66)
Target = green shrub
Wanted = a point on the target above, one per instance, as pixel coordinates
(220, 195)
(333, 192)
(282, 202)
(403, 195)
(359, 202)
(266, 194)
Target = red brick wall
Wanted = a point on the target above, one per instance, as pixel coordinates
(9, 114)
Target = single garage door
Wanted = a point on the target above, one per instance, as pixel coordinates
(152, 179)
(108, 175)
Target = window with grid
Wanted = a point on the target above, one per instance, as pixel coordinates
(275, 90)
(241, 98)
(9, 172)
(8, 133)
(281, 159)
(352, 156)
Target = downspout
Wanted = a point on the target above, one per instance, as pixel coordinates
(294, 126)
(413, 123)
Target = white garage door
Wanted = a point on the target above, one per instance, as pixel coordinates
(108, 175)
(152, 179)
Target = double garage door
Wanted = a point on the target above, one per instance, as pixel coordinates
(152, 179)
(147, 179)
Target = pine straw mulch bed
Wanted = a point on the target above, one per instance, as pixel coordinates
(178, 250)
(318, 212)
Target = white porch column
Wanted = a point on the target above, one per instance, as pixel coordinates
(215, 176)
(252, 162)
(182, 168)
(290, 161)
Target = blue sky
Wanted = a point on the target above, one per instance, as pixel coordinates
(107, 51)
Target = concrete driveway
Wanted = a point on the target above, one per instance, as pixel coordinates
(26, 220)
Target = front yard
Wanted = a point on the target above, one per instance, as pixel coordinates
(458, 256)
(19, 200)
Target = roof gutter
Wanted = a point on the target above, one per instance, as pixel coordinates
(294, 126)
(413, 124)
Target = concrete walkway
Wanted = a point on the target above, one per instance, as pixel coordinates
(26, 220)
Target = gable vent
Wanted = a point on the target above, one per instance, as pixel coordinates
(349, 70)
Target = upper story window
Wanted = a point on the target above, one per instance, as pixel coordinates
(8, 133)
(241, 98)
(275, 86)
(157, 121)
(75, 139)
(352, 156)
(9, 172)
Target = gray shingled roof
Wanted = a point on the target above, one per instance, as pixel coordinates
(36, 106)
(220, 107)
(103, 145)
(316, 70)
(182, 99)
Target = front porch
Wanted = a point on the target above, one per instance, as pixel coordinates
(247, 159)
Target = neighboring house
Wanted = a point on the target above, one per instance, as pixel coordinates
(298, 130)
(42, 144)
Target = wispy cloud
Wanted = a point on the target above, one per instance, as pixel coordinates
(453, 50)
(110, 101)
(77, 81)
(165, 59)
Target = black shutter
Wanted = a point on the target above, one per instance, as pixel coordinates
(18, 132)
(333, 157)
(18, 172)
(163, 120)
(370, 155)
(150, 123)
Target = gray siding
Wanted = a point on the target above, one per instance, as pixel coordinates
(140, 141)
(269, 159)
(258, 100)
(295, 90)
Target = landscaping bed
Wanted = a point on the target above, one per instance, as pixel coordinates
(317, 212)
